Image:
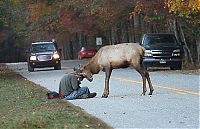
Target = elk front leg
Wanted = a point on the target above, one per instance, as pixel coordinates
(107, 78)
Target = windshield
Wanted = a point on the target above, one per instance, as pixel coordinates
(167, 40)
(43, 47)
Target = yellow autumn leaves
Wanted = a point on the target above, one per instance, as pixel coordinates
(183, 7)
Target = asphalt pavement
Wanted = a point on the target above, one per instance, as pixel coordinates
(174, 103)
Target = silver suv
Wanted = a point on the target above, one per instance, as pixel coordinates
(44, 54)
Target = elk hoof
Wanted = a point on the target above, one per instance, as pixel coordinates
(143, 94)
(151, 92)
(104, 96)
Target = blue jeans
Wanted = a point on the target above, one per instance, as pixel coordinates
(77, 93)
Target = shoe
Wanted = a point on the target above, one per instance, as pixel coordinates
(84, 96)
(92, 95)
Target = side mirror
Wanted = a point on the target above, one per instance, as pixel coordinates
(60, 52)
(181, 43)
(27, 51)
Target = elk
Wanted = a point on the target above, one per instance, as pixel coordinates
(117, 56)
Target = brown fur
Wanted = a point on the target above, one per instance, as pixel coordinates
(117, 56)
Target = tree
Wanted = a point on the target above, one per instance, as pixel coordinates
(12, 25)
(184, 8)
(189, 13)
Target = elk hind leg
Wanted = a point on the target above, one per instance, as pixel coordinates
(149, 82)
(142, 73)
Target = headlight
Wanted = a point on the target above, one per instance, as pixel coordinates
(33, 58)
(148, 53)
(176, 52)
(56, 56)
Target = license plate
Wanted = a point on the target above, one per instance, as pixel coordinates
(44, 57)
(90, 54)
(162, 61)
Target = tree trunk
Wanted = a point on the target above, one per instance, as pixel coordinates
(178, 31)
(124, 32)
(113, 35)
(110, 36)
(185, 45)
(198, 50)
(175, 29)
(137, 27)
(131, 33)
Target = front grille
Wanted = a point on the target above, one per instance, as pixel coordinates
(161, 54)
(44, 57)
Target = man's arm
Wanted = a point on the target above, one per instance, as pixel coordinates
(75, 82)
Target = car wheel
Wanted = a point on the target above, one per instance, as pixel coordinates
(57, 67)
(30, 69)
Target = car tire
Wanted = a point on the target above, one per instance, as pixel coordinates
(30, 68)
(57, 67)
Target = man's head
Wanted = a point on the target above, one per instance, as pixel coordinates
(80, 77)
(77, 69)
(82, 73)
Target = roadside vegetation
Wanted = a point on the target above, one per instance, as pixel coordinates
(24, 104)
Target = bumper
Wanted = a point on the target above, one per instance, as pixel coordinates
(41, 64)
(151, 62)
(86, 55)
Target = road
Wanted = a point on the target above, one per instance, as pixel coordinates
(174, 103)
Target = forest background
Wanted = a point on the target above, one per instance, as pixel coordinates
(77, 23)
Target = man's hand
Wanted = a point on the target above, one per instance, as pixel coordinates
(80, 76)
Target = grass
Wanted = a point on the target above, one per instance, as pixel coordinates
(24, 105)
(196, 71)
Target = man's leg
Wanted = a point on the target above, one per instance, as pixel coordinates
(81, 91)
(85, 93)
(71, 96)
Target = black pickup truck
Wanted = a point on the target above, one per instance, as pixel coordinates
(43, 54)
(162, 50)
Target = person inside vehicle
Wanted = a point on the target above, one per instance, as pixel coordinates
(69, 87)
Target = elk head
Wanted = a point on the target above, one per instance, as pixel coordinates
(82, 70)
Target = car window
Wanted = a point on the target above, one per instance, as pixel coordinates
(43, 47)
(160, 40)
